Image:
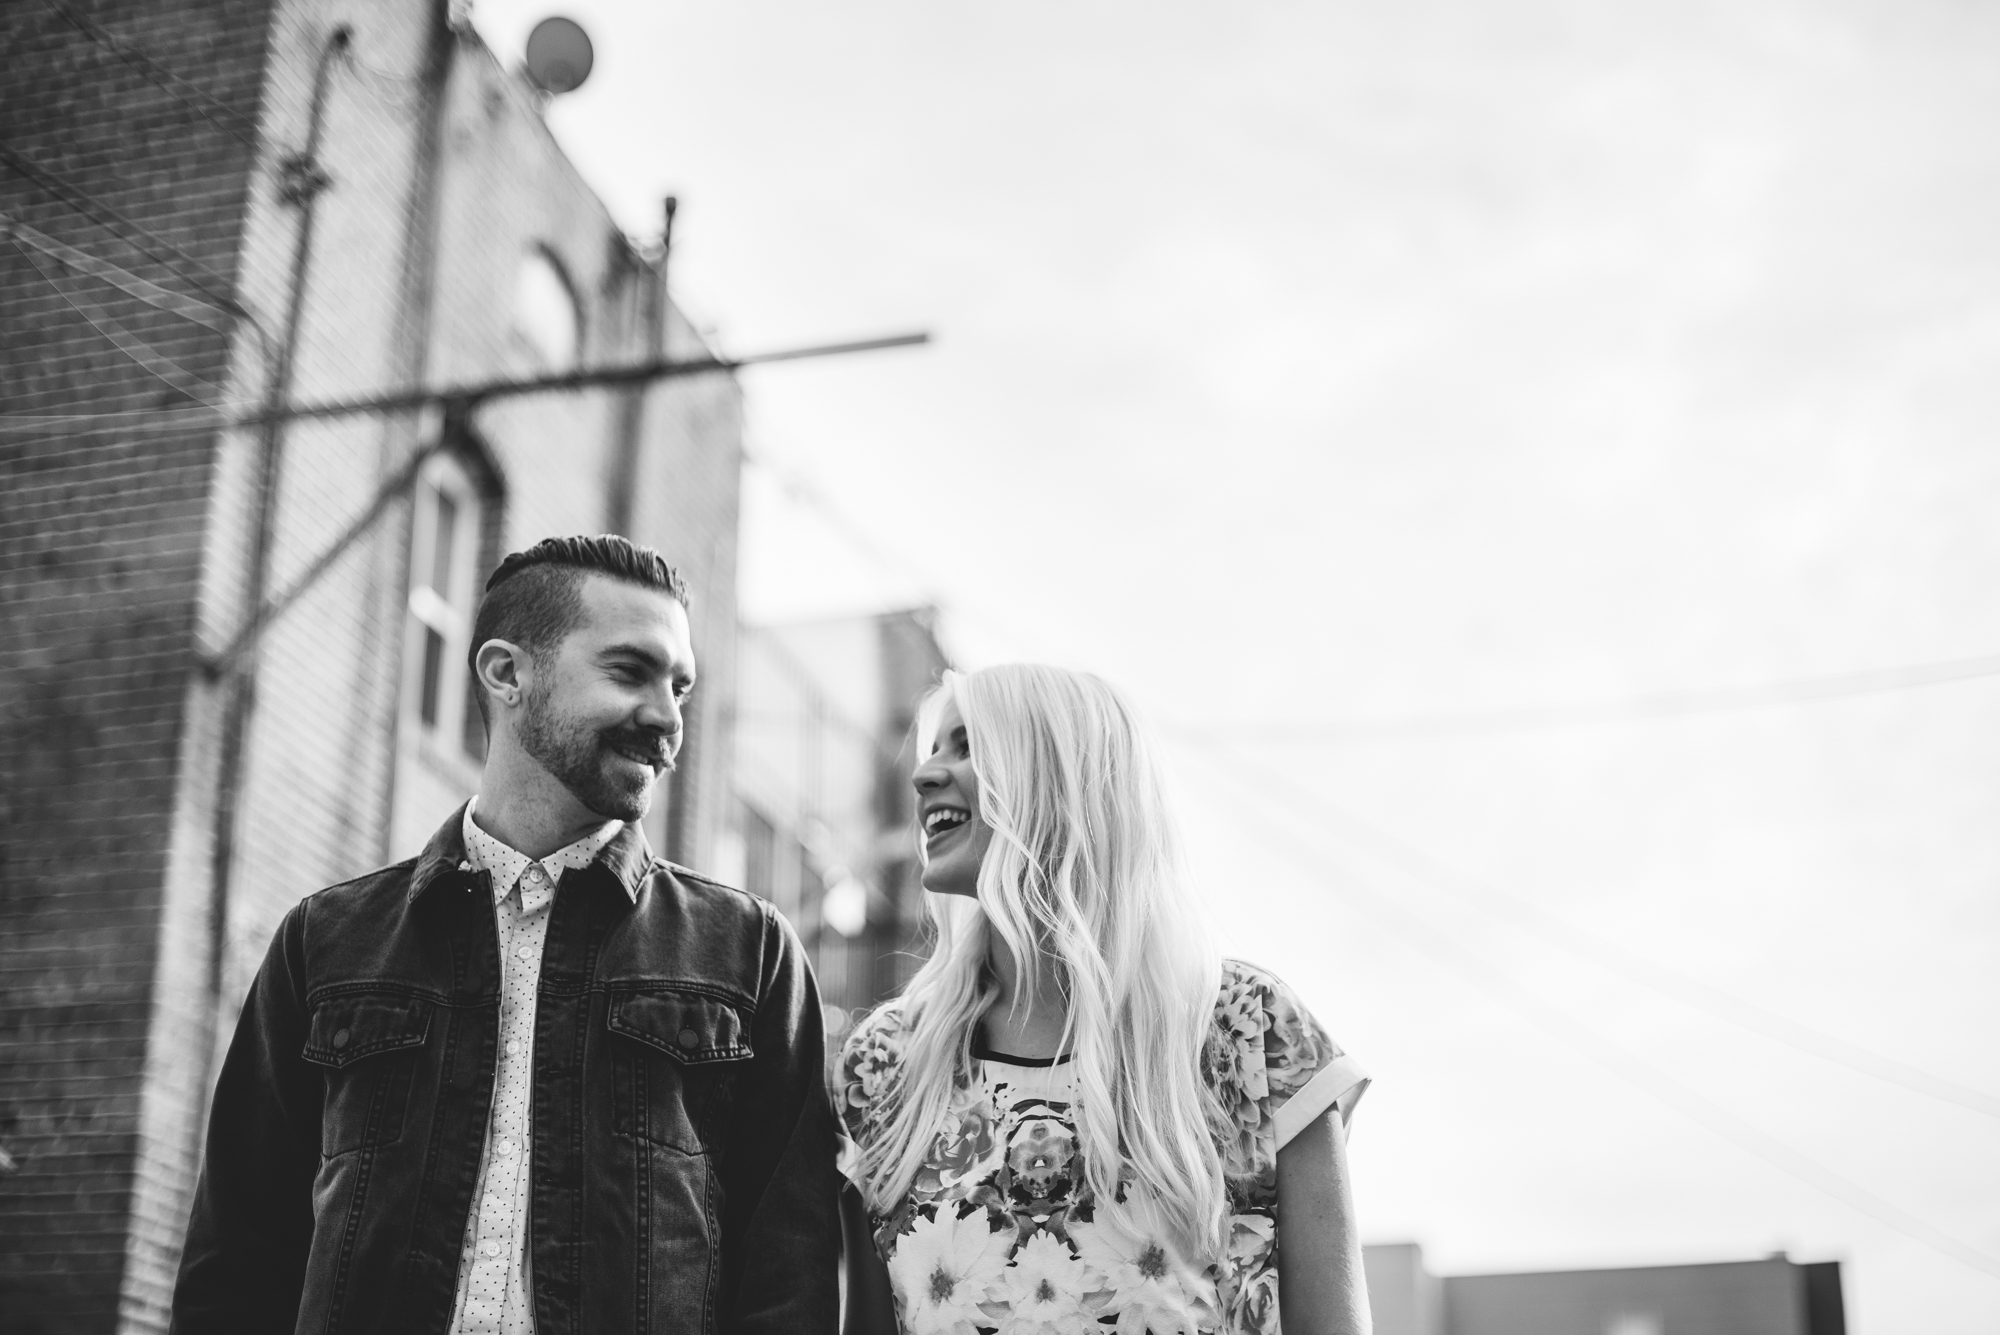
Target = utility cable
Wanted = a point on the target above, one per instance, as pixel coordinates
(149, 243)
(204, 104)
(803, 490)
(1536, 718)
(810, 494)
(54, 426)
(400, 93)
(161, 367)
(1608, 954)
(206, 314)
(1634, 1070)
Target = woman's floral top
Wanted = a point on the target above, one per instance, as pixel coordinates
(999, 1233)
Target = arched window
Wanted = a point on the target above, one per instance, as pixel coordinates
(546, 317)
(444, 557)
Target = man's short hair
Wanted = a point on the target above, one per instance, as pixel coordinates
(535, 596)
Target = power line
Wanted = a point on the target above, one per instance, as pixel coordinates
(808, 493)
(161, 367)
(206, 314)
(401, 93)
(242, 128)
(1594, 949)
(152, 245)
(53, 425)
(1632, 1069)
(1669, 704)
(805, 491)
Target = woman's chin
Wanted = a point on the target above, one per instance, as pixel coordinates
(941, 881)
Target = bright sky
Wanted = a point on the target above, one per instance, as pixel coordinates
(1316, 363)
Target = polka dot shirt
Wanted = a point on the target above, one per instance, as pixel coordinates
(493, 1282)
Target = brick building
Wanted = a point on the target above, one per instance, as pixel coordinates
(823, 820)
(1774, 1296)
(207, 209)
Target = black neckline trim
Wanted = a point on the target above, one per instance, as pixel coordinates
(1009, 1059)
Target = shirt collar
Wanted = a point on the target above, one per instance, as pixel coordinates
(507, 865)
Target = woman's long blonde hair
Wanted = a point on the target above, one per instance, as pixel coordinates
(1084, 886)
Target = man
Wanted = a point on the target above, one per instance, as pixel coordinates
(533, 1080)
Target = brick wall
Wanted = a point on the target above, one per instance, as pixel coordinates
(144, 112)
(123, 553)
(316, 762)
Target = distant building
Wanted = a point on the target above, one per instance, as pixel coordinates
(1775, 1296)
(823, 818)
(171, 173)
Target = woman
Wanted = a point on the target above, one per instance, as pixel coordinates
(1077, 1117)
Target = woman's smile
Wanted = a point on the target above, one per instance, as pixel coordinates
(940, 823)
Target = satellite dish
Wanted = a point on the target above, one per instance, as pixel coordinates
(559, 55)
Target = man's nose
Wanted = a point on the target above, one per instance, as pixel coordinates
(663, 713)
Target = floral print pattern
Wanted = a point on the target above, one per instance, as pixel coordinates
(999, 1234)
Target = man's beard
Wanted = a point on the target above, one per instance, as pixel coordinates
(583, 761)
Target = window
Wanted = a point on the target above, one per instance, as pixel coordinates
(545, 312)
(444, 556)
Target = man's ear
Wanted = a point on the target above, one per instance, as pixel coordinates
(505, 672)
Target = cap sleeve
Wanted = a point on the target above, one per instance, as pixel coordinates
(869, 1062)
(1285, 1067)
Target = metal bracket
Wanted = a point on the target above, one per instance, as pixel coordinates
(300, 177)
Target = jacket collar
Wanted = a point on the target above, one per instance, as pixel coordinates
(628, 856)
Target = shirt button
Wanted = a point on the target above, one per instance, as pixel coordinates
(508, 1146)
(340, 1038)
(489, 1248)
(513, 1047)
(525, 952)
(690, 1039)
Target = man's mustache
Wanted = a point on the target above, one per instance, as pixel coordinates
(659, 746)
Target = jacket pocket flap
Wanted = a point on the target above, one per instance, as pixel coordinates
(691, 1028)
(345, 1029)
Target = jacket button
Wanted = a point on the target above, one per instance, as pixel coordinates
(690, 1039)
(340, 1038)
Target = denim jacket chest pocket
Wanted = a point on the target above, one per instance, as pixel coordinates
(369, 1044)
(676, 1058)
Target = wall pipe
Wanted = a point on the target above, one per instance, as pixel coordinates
(301, 181)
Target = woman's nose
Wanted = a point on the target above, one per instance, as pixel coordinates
(929, 775)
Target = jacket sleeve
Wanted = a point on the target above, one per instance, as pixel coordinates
(781, 1224)
(243, 1264)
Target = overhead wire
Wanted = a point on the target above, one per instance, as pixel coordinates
(204, 104)
(155, 363)
(1602, 1051)
(162, 251)
(1668, 704)
(54, 426)
(403, 94)
(810, 494)
(204, 313)
(1609, 955)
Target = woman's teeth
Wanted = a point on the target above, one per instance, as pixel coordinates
(944, 818)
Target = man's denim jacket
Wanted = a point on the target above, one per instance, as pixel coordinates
(683, 1174)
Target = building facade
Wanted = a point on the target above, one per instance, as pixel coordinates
(231, 648)
(1774, 1296)
(823, 818)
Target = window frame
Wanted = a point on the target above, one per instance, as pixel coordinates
(446, 614)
